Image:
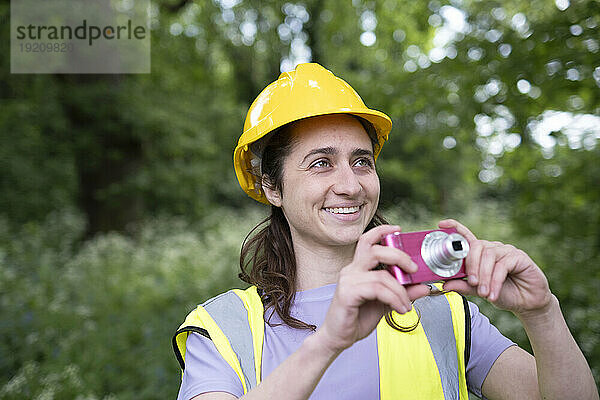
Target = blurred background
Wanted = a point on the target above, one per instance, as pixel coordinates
(119, 207)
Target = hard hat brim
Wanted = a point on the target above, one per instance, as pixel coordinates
(242, 155)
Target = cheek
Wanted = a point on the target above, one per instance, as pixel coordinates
(304, 189)
(372, 187)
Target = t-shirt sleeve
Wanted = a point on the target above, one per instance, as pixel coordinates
(487, 343)
(206, 370)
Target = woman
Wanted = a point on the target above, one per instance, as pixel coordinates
(312, 325)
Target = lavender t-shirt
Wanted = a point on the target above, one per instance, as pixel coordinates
(354, 374)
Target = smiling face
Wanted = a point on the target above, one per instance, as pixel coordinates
(330, 189)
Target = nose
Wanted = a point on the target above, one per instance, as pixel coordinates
(346, 182)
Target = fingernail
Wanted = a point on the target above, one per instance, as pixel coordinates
(483, 290)
(414, 265)
(403, 310)
(472, 279)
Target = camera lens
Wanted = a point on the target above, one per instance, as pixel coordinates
(443, 253)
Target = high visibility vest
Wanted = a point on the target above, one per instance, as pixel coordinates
(425, 363)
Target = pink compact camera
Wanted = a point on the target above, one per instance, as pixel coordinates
(439, 255)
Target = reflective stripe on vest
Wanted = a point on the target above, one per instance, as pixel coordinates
(234, 322)
(426, 363)
(237, 330)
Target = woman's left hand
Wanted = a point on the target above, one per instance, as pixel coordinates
(501, 273)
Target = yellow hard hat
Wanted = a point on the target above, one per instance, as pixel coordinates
(308, 91)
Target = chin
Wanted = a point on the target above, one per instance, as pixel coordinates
(346, 237)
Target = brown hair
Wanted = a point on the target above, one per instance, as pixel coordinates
(267, 258)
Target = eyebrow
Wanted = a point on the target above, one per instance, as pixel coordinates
(333, 151)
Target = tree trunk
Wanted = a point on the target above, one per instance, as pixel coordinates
(108, 153)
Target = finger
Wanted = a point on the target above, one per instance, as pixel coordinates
(391, 283)
(379, 291)
(359, 284)
(416, 291)
(460, 286)
(460, 228)
(504, 266)
(362, 253)
(503, 249)
(501, 271)
(472, 262)
(375, 235)
(376, 254)
(393, 256)
(412, 292)
(406, 303)
(486, 268)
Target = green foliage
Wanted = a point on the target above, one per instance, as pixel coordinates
(557, 206)
(94, 320)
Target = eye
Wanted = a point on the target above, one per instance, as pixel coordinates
(321, 163)
(363, 162)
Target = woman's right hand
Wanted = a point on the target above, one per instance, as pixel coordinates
(364, 295)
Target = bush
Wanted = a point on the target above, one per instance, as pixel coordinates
(94, 319)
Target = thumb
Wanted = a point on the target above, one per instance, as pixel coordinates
(416, 291)
(461, 286)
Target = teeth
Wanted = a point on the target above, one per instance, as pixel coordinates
(342, 210)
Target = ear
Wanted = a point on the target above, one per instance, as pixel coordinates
(271, 193)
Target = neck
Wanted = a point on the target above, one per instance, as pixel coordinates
(318, 266)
